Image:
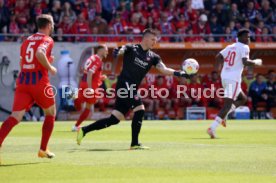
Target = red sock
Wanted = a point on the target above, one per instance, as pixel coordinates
(47, 129)
(6, 128)
(77, 104)
(84, 115)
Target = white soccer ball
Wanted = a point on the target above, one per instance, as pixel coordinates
(190, 66)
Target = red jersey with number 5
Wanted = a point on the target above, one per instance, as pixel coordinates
(233, 65)
(31, 68)
(93, 64)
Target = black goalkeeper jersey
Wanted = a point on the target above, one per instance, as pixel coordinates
(136, 63)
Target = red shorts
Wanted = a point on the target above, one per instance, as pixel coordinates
(26, 95)
(83, 97)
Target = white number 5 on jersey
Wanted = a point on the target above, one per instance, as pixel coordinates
(30, 52)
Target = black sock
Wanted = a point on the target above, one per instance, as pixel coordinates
(100, 124)
(136, 126)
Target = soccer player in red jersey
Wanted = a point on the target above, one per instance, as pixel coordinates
(33, 84)
(91, 80)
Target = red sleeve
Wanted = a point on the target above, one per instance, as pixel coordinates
(46, 44)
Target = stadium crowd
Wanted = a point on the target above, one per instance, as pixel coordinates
(260, 89)
(179, 18)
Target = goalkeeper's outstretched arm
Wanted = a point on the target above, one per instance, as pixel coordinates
(248, 62)
(161, 67)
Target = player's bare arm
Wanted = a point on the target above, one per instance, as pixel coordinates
(41, 56)
(248, 62)
(219, 62)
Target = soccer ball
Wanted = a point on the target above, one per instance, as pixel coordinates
(190, 66)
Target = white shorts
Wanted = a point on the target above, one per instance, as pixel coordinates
(231, 88)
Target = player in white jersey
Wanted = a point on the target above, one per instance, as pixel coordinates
(234, 57)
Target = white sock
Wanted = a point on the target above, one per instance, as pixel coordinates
(216, 123)
(233, 108)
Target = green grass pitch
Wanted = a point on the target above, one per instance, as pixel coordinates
(181, 151)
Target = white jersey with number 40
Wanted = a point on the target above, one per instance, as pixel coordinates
(233, 65)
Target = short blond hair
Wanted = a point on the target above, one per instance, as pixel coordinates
(43, 20)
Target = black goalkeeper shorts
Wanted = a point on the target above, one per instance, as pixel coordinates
(125, 102)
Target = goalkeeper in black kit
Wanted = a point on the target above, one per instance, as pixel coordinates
(137, 61)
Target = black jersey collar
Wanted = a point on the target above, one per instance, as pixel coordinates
(142, 48)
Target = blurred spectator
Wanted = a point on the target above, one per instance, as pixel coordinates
(215, 27)
(35, 11)
(94, 9)
(220, 13)
(80, 27)
(248, 77)
(68, 11)
(65, 28)
(100, 23)
(182, 23)
(4, 15)
(258, 30)
(233, 29)
(266, 12)
(80, 6)
(202, 28)
(191, 13)
(234, 14)
(134, 25)
(270, 90)
(264, 36)
(56, 12)
(248, 26)
(250, 12)
(258, 94)
(13, 28)
(109, 9)
(166, 26)
(118, 24)
(22, 13)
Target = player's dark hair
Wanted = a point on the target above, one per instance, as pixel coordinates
(99, 47)
(242, 32)
(149, 31)
(43, 21)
